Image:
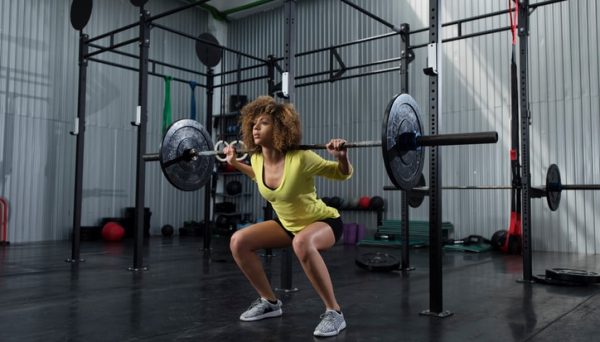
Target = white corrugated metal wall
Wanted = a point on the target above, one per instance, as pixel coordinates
(38, 103)
(38, 87)
(476, 85)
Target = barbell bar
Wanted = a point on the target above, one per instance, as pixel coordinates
(551, 190)
(187, 153)
(411, 142)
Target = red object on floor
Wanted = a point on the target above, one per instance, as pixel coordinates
(364, 202)
(112, 231)
(514, 236)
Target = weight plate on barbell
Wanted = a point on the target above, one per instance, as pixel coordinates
(184, 173)
(404, 166)
(553, 187)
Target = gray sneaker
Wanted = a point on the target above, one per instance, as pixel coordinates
(260, 309)
(331, 324)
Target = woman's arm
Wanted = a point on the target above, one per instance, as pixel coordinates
(242, 167)
(336, 148)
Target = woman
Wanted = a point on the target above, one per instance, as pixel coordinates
(285, 178)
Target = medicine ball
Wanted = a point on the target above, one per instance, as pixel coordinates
(363, 202)
(376, 203)
(353, 202)
(335, 202)
(344, 203)
(167, 230)
(112, 231)
(233, 187)
(326, 200)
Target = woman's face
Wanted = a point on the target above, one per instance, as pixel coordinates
(262, 130)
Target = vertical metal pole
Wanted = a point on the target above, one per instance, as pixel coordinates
(289, 34)
(80, 132)
(436, 302)
(138, 262)
(268, 208)
(525, 123)
(271, 75)
(210, 87)
(406, 55)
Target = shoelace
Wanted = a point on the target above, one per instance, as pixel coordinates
(328, 316)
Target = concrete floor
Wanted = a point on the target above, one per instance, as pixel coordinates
(185, 296)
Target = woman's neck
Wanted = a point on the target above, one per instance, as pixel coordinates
(271, 155)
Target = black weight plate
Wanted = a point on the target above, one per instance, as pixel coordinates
(138, 3)
(403, 167)
(416, 198)
(81, 10)
(571, 275)
(553, 187)
(186, 175)
(208, 54)
(378, 262)
(543, 279)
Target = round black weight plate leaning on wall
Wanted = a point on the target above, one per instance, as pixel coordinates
(184, 172)
(404, 166)
(378, 262)
(81, 10)
(208, 54)
(138, 3)
(553, 187)
(571, 275)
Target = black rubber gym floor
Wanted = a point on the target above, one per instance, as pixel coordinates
(187, 297)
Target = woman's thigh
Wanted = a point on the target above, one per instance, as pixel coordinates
(267, 234)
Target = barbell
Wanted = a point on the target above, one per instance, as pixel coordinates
(187, 153)
(551, 190)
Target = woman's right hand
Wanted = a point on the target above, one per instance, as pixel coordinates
(230, 155)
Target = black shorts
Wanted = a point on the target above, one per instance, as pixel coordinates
(336, 225)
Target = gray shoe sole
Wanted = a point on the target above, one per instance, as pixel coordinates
(271, 314)
(333, 333)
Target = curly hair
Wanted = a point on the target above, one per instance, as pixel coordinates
(286, 123)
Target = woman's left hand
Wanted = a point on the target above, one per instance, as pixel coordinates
(337, 148)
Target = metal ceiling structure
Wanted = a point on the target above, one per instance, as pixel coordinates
(234, 9)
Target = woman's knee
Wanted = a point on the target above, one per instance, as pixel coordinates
(302, 247)
(236, 242)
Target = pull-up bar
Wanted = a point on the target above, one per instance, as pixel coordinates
(154, 62)
(183, 34)
(369, 14)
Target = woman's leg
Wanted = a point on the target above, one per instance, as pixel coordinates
(245, 242)
(307, 245)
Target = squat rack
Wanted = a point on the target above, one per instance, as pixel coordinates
(435, 91)
(145, 23)
(287, 88)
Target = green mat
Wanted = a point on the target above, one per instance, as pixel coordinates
(472, 248)
(418, 233)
